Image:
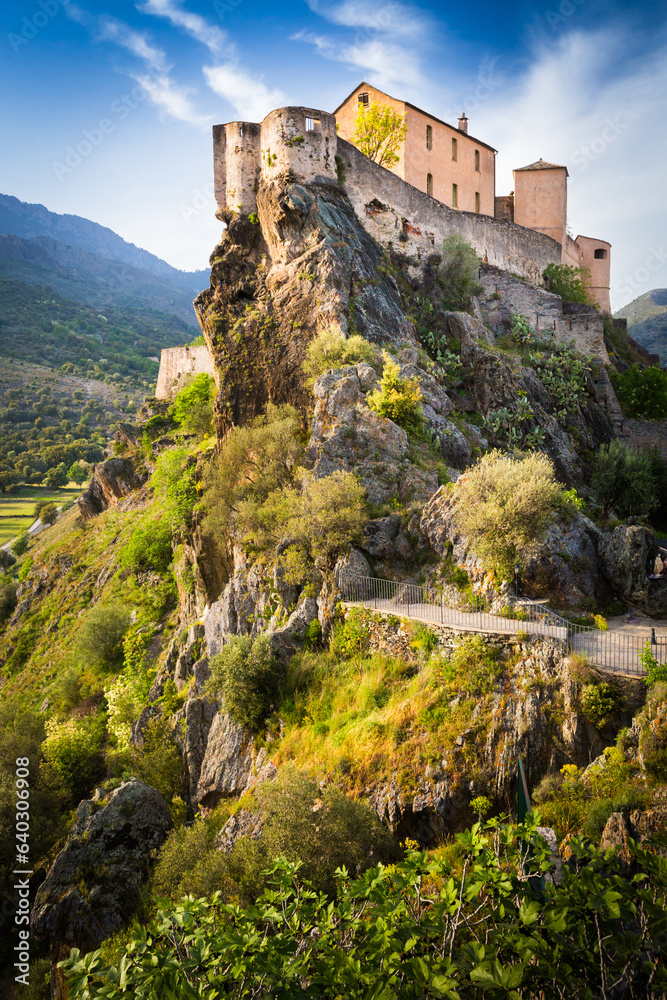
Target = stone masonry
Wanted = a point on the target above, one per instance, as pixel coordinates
(178, 364)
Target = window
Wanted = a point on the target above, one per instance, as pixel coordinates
(429, 137)
(477, 160)
(455, 193)
(600, 254)
(454, 150)
(363, 99)
(429, 184)
(312, 124)
(477, 201)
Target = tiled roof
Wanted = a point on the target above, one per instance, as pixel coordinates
(542, 165)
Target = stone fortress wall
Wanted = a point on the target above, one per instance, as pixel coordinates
(302, 143)
(178, 365)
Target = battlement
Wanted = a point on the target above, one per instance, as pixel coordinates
(297, 141)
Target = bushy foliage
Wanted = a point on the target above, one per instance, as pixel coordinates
(128, 692)
(73, 749)
(458, 273)
(247, 675)
(421, 928)
(7, 601)
(149, 547)
(254, 461)
(625, 479)
(568, 282)
(158, 760)
(175, 483)
(656, 672)
(20, 544)
(503, 503)
(77, 473)
(101, 634)
(193, 406)
(398, 398)
(642, 392)
(379, 131)
(331, 350)
(599, 702)
(48, 513)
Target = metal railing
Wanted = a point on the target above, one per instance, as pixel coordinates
(614, 651)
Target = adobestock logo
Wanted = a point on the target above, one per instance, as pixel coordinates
(585, 155)
(31, 26)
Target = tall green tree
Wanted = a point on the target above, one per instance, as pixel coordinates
(379, 131)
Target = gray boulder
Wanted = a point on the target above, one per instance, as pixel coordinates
(627, 556)
(287, 640)
(93, 885)
(226, 764)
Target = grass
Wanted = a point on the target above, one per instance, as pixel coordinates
(16, 509)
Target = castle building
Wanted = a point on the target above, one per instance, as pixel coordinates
(460, 171)
(437, 158)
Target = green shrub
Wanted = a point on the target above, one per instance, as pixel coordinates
(158, 760)
(331, 350)
(624, 479)
(599, 702)
(568, 282)
(48, 513)
(20, 544)
(656, 672)
(504, 503)
(642, 392)
(175, 484)
(7, 601)
(73, 749)
(193, 406)
(398, 398)
(101, 635)
(247, 675)
(350, 636)
(149, 547)
(313, 636)
(458, 273)
(179, 855)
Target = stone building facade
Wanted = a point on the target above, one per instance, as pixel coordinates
(440, 159)
(178, 365)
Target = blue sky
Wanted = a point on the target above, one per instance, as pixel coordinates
(107, 106)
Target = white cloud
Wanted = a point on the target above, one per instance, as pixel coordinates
(134, 41)
(172, 99)
(198, 27)
(388, 41)
(251, 97)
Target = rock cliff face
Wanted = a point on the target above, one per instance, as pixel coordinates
(93, 885)
(111, 481)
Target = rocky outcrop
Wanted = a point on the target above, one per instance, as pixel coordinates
(227, 762)
(285, 641)
(627, 557)
(111, 481)
(93, 885)
(347, 435)
(640, 825)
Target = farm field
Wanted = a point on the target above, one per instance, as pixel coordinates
(16, 510)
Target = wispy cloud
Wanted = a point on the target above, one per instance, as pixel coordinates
(136, 42)
(387, 43)
(250, 96)
(171, 98)
(196, 26)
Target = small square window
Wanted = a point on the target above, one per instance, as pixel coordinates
(429, 137)
(455, 154)
(363, 99)
(312, 124)
(455, 194)
(429, 184)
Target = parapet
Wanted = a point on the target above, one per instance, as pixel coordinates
(300, 142)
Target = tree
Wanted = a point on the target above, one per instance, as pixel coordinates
(398, 398)
(625, 479)
(57, 476)
(379, 131)
(193, 406)
(642, 392)
(20, 543)
(48, 514)
(246, 673)
(458, 273)
(568, 282)
(77, 473)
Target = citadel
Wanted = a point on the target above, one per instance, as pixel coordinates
(443, 183)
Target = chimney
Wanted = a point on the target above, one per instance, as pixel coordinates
(463, 123)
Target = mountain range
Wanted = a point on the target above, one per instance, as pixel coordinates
(647, 321)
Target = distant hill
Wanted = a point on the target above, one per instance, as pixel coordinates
(117, 346)
(647, 321)
(24, 219)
